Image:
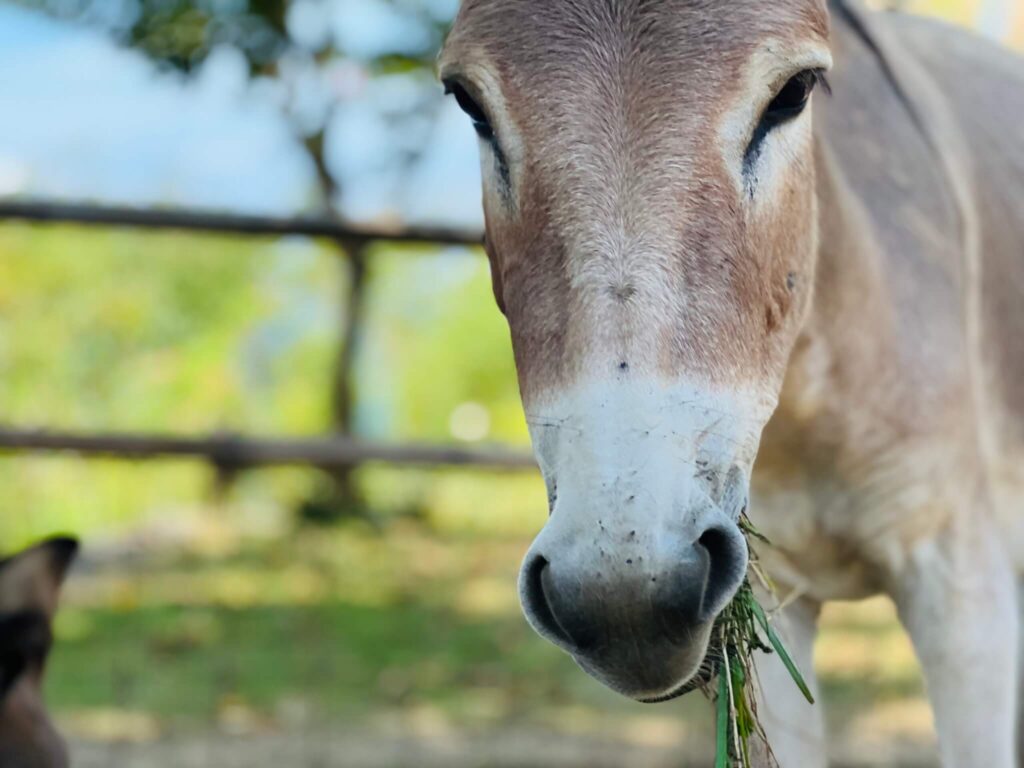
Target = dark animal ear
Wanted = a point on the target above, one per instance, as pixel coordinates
(24, 642)
(31, 580)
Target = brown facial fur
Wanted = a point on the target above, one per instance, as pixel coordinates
(623, 236)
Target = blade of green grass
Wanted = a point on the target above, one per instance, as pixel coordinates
(722, 723)
(780, 649)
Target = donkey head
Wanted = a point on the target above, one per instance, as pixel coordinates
(648, 173)
(29, 585)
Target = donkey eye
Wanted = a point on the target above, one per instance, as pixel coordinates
(787, 104)
(793, 98)
(469, 105)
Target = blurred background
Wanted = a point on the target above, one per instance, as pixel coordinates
(251, 602)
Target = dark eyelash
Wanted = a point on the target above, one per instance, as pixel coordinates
(482, 126)
(469, 105)
(821, 78)
(770, 121)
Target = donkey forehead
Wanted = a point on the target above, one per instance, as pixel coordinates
(566, 39)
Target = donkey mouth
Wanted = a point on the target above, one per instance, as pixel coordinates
(700, 680)
(651, 668)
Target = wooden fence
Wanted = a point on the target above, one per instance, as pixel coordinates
(229, 453)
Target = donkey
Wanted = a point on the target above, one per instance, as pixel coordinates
(698, 267)
(29, 586)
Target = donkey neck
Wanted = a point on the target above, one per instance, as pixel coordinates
(883, 346)
(816, 448)
(878, 363)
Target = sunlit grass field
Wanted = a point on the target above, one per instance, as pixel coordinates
(182, 629)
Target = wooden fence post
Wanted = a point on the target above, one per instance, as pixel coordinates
(345, 499)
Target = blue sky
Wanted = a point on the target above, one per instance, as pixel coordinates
(85, 120)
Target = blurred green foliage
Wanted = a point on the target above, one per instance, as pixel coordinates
(106, 330)
(118, 329)
(181, 34)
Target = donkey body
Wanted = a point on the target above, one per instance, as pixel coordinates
(694, 272)
(893, 463)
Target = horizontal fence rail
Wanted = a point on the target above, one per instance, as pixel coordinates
(236, 452)
(336, 453)
(227, 223)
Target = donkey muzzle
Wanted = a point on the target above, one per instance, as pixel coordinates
(634, 610)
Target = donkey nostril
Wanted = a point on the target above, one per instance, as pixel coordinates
(535, 600)
(726, 567)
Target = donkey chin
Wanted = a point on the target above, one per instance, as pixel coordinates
(643, 549)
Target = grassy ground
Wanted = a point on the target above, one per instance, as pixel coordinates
(382, 640)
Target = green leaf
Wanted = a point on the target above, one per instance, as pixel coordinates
(780, 649)
(722, 721)
(748, 528)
